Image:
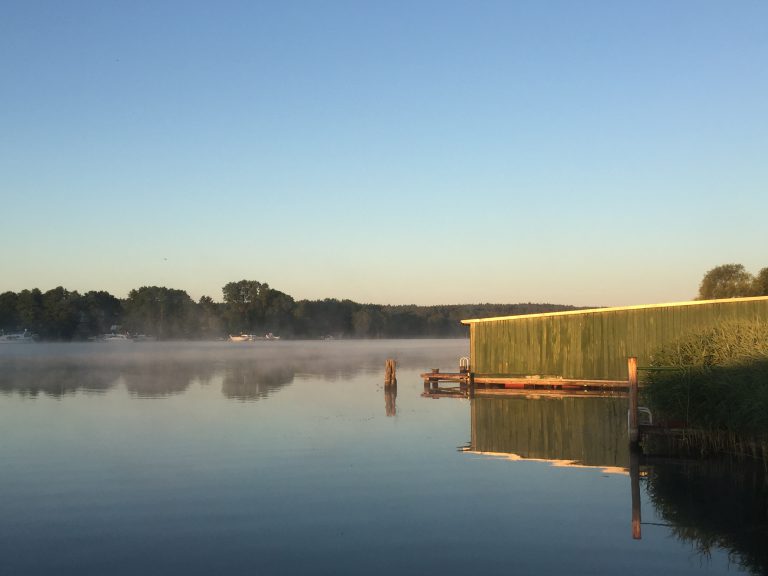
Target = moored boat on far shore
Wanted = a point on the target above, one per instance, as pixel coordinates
(17, 337)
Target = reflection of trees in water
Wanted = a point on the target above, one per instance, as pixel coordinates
(158, 379)
(589, 430)
(55, 379)
(58, 378)
(250, 371)
(246, 380)
(720, 504)
(251, 381)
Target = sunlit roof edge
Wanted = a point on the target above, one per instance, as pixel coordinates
(615, 309)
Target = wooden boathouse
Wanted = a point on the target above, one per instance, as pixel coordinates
(594, 344)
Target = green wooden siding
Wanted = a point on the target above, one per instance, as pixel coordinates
(595, 344)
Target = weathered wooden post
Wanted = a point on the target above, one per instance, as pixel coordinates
(390, 372)
(634, 428)
(434, 381)
(471, 384)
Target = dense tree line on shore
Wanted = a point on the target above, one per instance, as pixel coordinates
(248, 307)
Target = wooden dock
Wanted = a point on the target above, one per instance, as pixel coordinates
(470, 383)
(467, 384)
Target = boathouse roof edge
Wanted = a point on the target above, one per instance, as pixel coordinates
(615, 309)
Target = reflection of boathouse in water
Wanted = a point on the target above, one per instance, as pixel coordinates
(586, 431)
(720, 503)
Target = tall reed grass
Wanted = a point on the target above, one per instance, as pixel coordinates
(715, 384)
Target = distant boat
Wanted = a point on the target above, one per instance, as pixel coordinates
(242, 338)
(17, 338)
(252, 338)
(116, 338)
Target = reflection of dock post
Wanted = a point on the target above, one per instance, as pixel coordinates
(634, 478)
(390, 400)
(390, 387)
(634, 438)
(634, 431)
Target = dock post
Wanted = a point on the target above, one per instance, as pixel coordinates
(471, 384)
(634, 428)
(435, 382)
(390, 372)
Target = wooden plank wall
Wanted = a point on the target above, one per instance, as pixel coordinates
(595, 344)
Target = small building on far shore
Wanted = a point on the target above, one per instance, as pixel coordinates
(595, 343)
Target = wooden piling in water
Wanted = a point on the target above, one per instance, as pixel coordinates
(390, 372)
(633, 420)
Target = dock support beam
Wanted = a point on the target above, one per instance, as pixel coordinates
(634, 428)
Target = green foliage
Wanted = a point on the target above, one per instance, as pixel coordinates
(60, 314)
(761, 283)
(99, 312)
(726, 281)
(249, 306)
(9, 315)
(210, 318)
(715, 379)
(163, 312)
(253, 307)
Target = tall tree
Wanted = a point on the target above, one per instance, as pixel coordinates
(761, 283)
(278, 311)
(254, 307)
(29, 307)
(245, 305)
(60, 314)
(101, 310)
(726, 281)
(9, 316)
(162, 312)
(210, 317)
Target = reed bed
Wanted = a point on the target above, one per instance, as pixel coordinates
(714, 385)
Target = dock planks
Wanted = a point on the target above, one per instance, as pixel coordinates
(434, 378)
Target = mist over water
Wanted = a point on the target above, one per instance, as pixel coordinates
(292, 458)
(246, 370)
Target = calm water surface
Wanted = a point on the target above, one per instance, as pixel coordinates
(289, 458)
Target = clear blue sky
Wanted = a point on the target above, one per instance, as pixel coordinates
(600, 153)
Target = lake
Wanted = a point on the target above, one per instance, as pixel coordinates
(290, 458)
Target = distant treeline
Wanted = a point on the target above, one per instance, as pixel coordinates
(249, 307)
